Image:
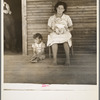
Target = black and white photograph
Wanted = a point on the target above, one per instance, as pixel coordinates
(50, 42)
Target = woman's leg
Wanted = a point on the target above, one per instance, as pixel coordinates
(54, 50)
(66, 47)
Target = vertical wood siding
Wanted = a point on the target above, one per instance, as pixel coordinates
(83, 14)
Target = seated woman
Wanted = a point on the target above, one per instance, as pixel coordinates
(60, 26)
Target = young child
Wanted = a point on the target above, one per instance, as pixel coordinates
(59, 26)
(38, 48)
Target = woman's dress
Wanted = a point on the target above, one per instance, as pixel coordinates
(60, 38)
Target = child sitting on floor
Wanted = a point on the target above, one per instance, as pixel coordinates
(38, 48)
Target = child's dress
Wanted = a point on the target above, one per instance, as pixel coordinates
(39, 52)
(62, 35)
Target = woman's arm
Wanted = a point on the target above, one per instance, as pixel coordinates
(69, 28)
(50, 30)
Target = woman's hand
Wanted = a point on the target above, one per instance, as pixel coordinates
(50, 30)
(55, 28)
(69, 28)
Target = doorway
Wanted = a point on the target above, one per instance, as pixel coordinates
(15, 7)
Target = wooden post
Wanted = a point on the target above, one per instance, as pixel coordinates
(24, 28)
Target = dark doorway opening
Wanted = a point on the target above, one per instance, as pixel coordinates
(15, 6)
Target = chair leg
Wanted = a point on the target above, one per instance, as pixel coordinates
(49, 52)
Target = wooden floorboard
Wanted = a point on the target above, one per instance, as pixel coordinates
(18, 69)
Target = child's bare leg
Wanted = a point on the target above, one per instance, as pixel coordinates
(33, 57)
(66, 47)
(54, 50)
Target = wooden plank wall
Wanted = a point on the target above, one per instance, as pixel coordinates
(38, 13)
(84, 34)
(83, 14)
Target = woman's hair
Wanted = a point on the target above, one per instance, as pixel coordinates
(38, 35)
(60, 3)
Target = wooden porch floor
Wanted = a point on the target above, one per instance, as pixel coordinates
(18, 69)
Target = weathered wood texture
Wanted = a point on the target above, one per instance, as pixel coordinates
(24, 27)
(83, 16)
(71, 2)
(18, 69)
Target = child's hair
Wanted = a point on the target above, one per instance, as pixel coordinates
(38, 35)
